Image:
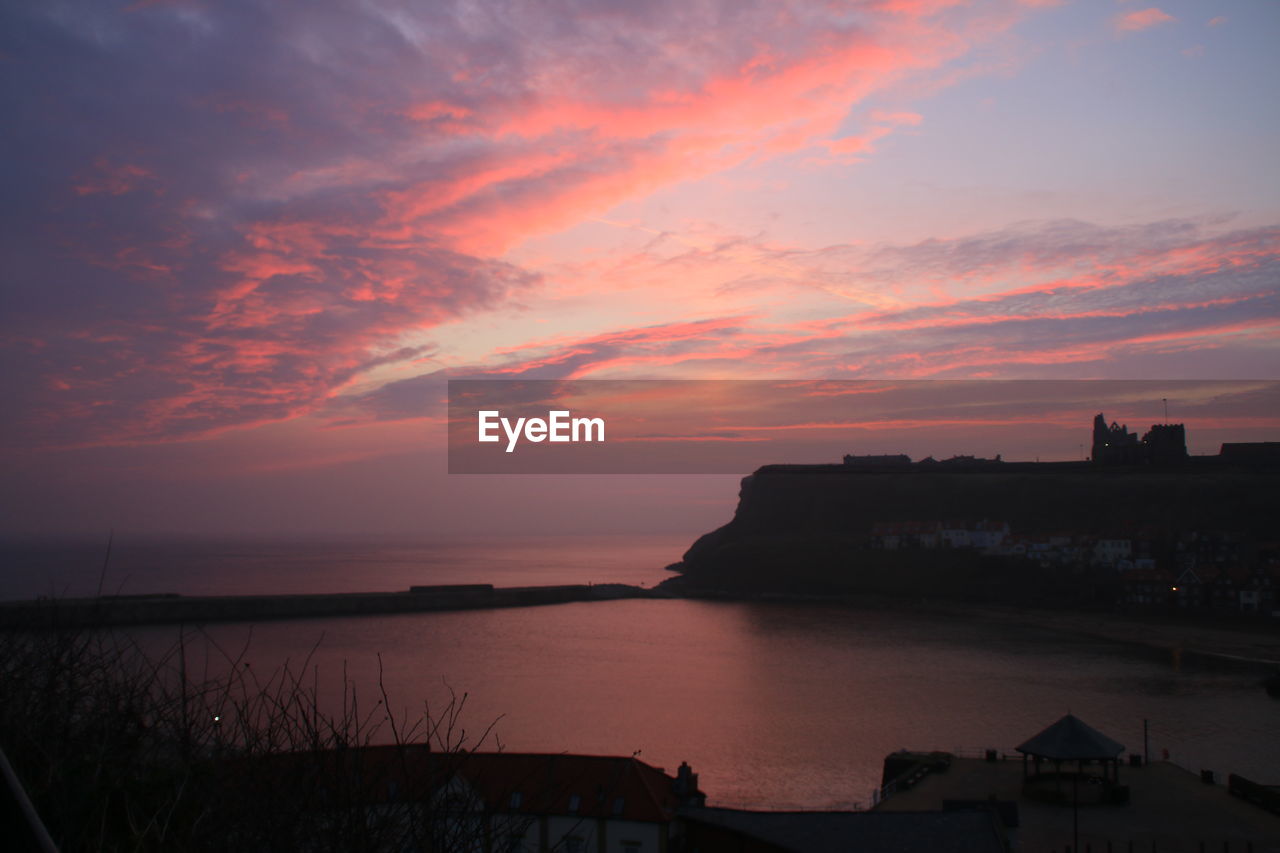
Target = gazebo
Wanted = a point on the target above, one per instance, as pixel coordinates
(1071, 741)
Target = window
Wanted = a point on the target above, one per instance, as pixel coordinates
(574, 802)
(517, 798)
(618, 805)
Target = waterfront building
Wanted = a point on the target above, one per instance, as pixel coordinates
(492, 801)
(1109, 552)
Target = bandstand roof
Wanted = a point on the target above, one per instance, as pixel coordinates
(1069, 739)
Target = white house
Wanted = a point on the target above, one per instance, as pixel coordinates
(1109, 552)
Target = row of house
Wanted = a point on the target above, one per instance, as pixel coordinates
(895, 535)
(1136, 550)
(1215, 570)
(1228, 589)
(995, 538)
(1211, 549)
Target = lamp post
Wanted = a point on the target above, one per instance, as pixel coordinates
(1075, 810)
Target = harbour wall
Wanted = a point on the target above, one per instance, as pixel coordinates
(168, 609)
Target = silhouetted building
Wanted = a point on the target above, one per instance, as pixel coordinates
(962, 461)
(1114, 445)
(894, 460)
(1165, 443)
(1251, 451)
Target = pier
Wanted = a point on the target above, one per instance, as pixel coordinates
(161, 609)
(1169, 810)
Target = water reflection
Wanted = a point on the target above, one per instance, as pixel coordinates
(780, 705)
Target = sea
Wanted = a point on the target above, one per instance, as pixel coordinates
(778, 705)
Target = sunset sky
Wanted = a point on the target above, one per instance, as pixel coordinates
(245, 243)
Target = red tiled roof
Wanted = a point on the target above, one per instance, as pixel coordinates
(604, 786)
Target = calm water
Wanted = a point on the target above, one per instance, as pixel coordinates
(775, 705)
(196, 567)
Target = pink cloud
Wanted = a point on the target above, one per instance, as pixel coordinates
(1144, 19)
(317, 204)
(564, 151)
(898, 118)
(1148, 290)
(113, 179)
(435, 110)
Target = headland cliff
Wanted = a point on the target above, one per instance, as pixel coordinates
(1051, 533)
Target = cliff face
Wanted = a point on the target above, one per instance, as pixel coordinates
(811, 525)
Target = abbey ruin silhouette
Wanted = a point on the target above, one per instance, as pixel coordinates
(1115, 445)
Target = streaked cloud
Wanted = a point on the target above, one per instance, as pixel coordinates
(1021, 302)
(241, 208)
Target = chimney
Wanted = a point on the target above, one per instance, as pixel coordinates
(685, 787)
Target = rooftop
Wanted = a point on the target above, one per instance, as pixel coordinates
(506, 782)
(1071, 739)
(1169, 806)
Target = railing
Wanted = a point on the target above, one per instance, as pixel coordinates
(1147, 846)
(909, 778)
(1260, 795)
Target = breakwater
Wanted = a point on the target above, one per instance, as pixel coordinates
(168, 609)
